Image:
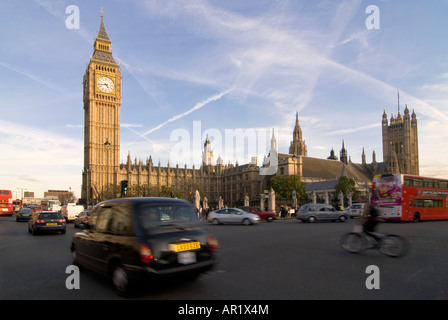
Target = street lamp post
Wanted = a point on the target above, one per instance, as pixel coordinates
(21, 193)
(294, 192)
(107, 145)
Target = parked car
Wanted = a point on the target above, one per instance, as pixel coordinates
(355, 210)
(269, 216)
(46, 221)
(320, 212)
(82, 219)
(136, 240)
(232, 215)
(24, 214)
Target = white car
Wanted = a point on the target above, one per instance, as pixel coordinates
(232, 215)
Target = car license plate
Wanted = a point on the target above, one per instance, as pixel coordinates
(51, 224)
(186, 257)
(186, 246)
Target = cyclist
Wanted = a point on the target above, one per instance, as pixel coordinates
(371, 219)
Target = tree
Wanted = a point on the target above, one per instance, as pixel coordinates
(106, 192)
(346, 186)
(284, 186)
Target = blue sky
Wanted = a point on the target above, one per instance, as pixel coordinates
(217, 66)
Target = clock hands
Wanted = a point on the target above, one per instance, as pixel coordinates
(105, 84)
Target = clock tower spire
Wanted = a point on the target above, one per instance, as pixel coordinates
(102, 102)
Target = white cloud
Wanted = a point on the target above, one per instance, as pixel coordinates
(39, 157)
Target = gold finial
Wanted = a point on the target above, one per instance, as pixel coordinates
(101, 12)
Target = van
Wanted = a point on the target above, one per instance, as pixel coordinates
(70, 211)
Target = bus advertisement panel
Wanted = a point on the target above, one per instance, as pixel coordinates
(6, 206)
(410, 198)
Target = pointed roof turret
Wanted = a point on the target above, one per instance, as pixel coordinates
(103, 46)
(102, 34)
(297, 146)
(343, 153)
(273, 142)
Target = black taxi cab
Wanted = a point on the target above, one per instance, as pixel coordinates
(136, 240)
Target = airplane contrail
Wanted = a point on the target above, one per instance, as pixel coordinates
(198, 106)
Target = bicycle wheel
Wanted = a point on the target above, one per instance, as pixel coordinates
(353, 242)
(393, 246)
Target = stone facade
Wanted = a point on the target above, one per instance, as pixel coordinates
(400, 143)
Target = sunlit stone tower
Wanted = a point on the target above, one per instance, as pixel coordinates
(102, 101)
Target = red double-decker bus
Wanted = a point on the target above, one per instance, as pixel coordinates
(6, 206)
(410, 198)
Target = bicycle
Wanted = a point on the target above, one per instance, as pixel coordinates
(358, 241)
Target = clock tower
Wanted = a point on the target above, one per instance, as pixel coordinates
(102, 101)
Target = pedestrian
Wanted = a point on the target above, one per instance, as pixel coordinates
(283, 212)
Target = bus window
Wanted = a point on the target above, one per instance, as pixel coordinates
(418, 183)
(428, 203)
(408, 182)
(427, 183)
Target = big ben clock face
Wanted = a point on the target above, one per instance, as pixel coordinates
(105, 84)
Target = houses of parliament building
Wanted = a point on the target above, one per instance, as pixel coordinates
(102, 101)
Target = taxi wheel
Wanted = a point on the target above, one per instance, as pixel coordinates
(74, 256)
(120, 280)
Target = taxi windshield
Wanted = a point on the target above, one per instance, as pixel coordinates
(161, 215)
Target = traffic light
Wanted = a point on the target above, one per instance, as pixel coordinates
(124, 187)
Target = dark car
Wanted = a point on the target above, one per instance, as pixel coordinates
(82, 219)
(46, 221)
(24, 214)
(136, 240)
